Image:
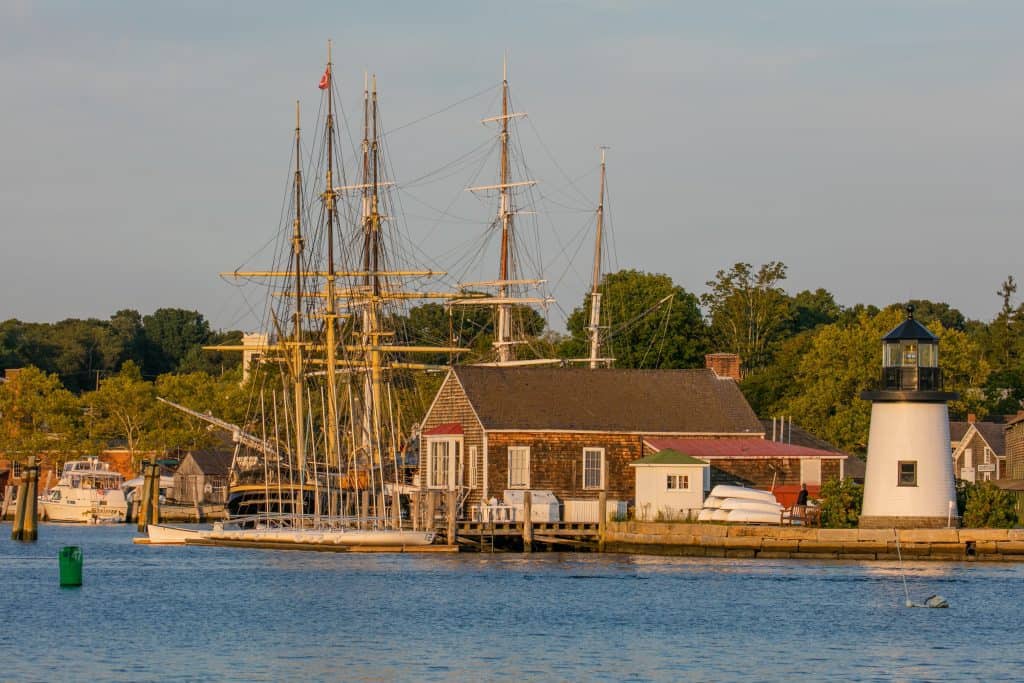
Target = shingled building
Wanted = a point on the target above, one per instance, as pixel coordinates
(571, 431)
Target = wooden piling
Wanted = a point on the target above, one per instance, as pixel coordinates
(451, 514)
(154, 503)
(430, 523)
(9, 493)
(364, 508)
(602, 519)
(527, 522)
(19, 512)
(29, 532)
(144, 499)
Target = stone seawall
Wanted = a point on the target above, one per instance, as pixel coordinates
(721, 540)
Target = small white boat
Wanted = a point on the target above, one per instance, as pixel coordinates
(161, 534)
(754, 516)
(331, 537)
(724, 491)
(712, 503)
(88, 491)
(749, 504)
(720, 515)
(706, 515)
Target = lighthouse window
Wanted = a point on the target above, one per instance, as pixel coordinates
(908, 473)
(910, 354)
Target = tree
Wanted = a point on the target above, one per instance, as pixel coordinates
(987, 505)
(964, 370)
(170, 334)
(123, 409)
(770, 390)
(748, 310)
(841, 503)
(813, 309)
(649, 322)
(926, 312)
(173, 430)
(37, 414)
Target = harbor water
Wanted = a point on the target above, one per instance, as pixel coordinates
(199, 613)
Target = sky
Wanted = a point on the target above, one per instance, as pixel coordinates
(873, 147)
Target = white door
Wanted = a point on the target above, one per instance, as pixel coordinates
(810, 471)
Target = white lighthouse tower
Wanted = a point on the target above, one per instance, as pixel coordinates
(909, 477)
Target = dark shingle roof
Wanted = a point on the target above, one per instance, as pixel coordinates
(994, 433)
(610, 400)
(213, 462)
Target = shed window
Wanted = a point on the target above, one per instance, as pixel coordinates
(907, 473)
(593, 468)
(678, 482)
(519, 467)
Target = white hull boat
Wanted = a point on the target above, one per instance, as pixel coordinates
(160, 534)
(724, 491)
(749, 504)
(381, 538)
(752, 516)
(88, 492)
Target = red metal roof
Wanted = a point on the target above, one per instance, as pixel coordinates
(738, 448)
(446, 428)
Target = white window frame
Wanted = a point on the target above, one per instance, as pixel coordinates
(601, 483)
(677, 482)
(453, 452)
(523, 451)
(474, 466)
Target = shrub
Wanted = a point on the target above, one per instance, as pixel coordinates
(987, 505)
(841, 501)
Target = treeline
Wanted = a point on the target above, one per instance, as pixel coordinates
(803, 354)
(81, 352)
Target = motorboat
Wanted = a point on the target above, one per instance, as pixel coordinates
(88, 491)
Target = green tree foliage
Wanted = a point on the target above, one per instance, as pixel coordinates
(174, 431)
(770, 391)
(985, 505)
(37, 414)
(841, 503)
(749, 311)
(171, 333)
(123, 409)
(813, 309)
(843, 359)
(927, 312)
(649, 321)
(841, 362)
(468, 327)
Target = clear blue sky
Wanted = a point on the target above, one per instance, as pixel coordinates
(874, 147)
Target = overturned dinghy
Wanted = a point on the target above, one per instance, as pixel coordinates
(740, 505)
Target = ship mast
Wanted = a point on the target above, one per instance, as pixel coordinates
(330, 308)
(504, 300)
(503, 342)
(595, 294)
(298, 371)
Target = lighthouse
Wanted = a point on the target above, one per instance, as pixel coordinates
(909, 478)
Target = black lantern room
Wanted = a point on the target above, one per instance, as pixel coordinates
(910, 357)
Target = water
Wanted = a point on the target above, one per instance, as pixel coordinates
(193, 613)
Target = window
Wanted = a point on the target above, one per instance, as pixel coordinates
(474, 468)
(907, 473)
(988, 455)
(519, 467)
(968, 457)
(437, 472)
(678, 482)
(444, 463)
(593, 468)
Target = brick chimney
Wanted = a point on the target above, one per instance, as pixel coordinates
(725, 365)
(971, 418)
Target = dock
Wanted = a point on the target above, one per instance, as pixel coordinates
(510, 535)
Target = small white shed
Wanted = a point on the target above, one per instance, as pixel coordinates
(670, 486)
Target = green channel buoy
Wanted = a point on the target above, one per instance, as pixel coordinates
(70, 557)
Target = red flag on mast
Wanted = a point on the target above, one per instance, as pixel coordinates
(325, 80)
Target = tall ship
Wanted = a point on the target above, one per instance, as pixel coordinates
(330, 445)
